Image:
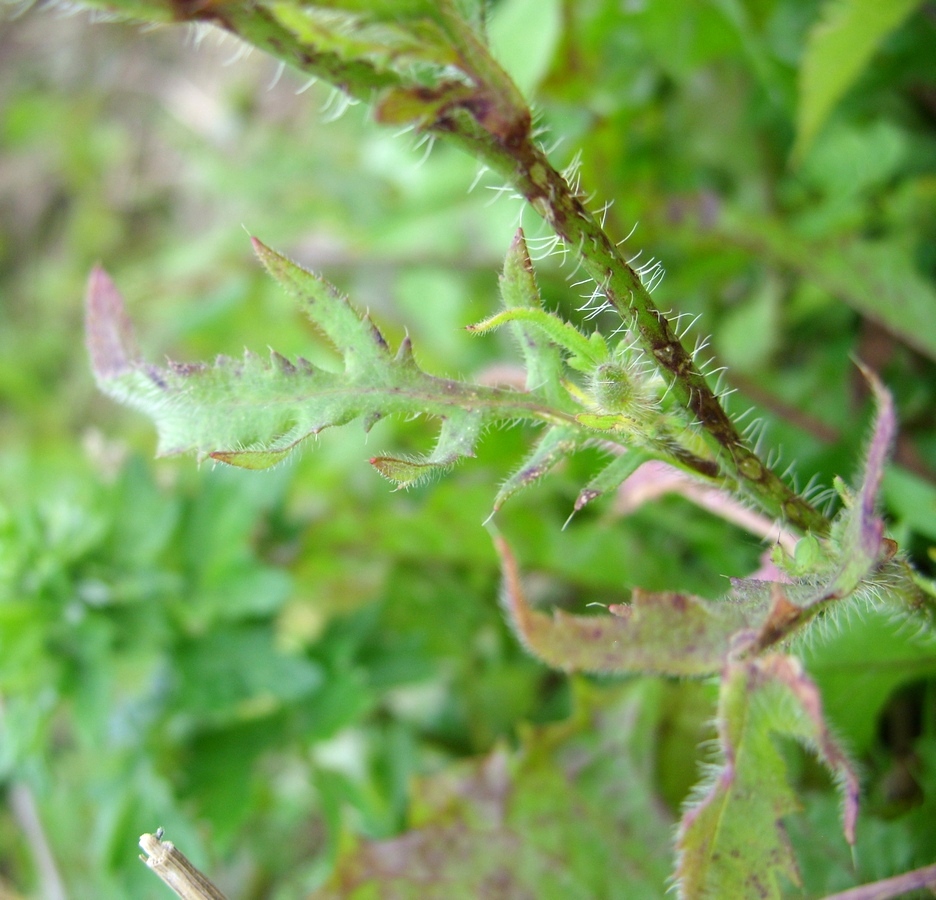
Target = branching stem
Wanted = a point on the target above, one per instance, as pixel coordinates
(492, 122)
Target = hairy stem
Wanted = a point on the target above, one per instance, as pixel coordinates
(492, 122)
(552, 198)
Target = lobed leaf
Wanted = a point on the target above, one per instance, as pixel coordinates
(854, 552)
(732, 841)
(253, 412)
(665, 633)
(679, 634)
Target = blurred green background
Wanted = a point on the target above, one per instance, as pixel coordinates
(262, 663)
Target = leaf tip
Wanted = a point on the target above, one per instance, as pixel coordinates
(108, 330)
(404, 473)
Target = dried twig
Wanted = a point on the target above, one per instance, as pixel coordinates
(174, 868)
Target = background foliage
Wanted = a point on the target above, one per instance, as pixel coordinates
(273, 666)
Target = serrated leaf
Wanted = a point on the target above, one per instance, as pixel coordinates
(869, 659)
(656, 633)
(354, 336)
(678, 634)
(838, 48)
(862, 541)
(252, 412)
(732, 842)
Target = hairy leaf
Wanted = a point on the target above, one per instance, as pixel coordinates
(612, 476)
(519, 290)
(679, 634)
(556, 444)
(869, 659)
(732, 842)
(585, 354)
(252, 412)
(667, 633)
(854, 553)
(838, 48)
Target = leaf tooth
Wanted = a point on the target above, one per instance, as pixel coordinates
(377, 335)
(251, 459)
(282, 364)
(517, 281)
(371, 419)
(457, 439)
(405, 472)
(350, 332)
(586, 495)
(185, 369)
(404, 355)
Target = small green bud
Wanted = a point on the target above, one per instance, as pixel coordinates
(614, 389)
(807, 555)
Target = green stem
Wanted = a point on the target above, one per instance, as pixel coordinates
(549, 194)
(493, 124)
(530, 173)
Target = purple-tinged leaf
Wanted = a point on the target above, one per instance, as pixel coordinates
(457, 438)
(666, 633)
(108, 330)
(732, 842)
(253, 412)
(855, 550)
(865, 529)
